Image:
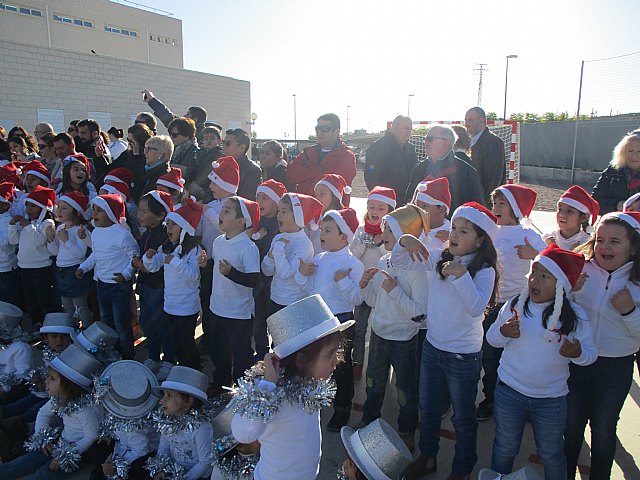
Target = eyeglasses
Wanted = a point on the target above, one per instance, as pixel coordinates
(324, 128)
(175, 134)
(431, 139)
(146, 149)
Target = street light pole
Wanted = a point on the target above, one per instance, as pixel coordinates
(506, 80)
(295, 120)
(348, 107)
(409, 105)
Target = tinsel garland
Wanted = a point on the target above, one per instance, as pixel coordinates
(189, 422)
(39, 440)
(67, 455)
(255, 403)
(10, 380)
(7, 337)
(164, 464)
(340, 474)
(36, 378)
(48, 354)
(121, 466)
(73, 406)
(236, 465)
(111, 424)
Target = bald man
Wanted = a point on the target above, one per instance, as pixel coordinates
(43, 128)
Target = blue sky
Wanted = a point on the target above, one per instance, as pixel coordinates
(372, 54)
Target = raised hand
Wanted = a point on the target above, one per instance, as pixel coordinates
(526, 251)
(150, 253)
(367, 276)
(202, 259)
(511, 328)
(225, 267)
(453, 268)
(271, 367)
(582, 279)
(414, 247)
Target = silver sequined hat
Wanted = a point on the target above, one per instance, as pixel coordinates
(77, 365)
(129, 389)
(377, 450)
(302, 323)
(98, 336)
(185, 380)
(59, 323)
(525, 473)
(222, 431)
(10, 316)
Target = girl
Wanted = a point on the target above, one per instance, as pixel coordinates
(69, 244)
(15, 355)
(33, 257)
(116, 144)
(9, 278)
(368, 247)
(464, 283)
(273, 161)
(278, 403)
(153, 208)
(333, 192)
(574, 209)
(34, 173)
(69, 379)
(542, 333)
(186, 433)
(75, 176)
(179, 257)
(610, 297)
(173, 184)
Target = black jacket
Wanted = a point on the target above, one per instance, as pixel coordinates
(166, 116)
(151, 177)
(488, 159)
(613, 187)
(388, 164)
(135, 164)
(278, 173)
(197, 180)
(250, 178)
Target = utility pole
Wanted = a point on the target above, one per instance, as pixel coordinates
(481, 70)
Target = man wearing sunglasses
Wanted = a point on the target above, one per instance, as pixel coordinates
(329, 155)
(441, 161)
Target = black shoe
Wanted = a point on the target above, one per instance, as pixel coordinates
(484, 411)
(339, 420)
(421, 467)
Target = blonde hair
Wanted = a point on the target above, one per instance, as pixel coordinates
(619, 156)
(163, 143)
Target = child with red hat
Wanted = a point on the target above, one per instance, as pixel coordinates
(113, 249)
(33, 174)
(434, 197)
(576, 214)
(76, 170)
(173, 184)
(34, 260)
(235, 273)
(333, 192)
(9, 279)
(335, 275)
(542, 334)
(131, 209)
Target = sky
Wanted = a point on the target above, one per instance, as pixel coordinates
(371, 55)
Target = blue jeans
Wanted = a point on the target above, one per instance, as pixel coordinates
(34, 464)
(26, 408)
(115, 310)
(458, 373)
(361, 315)
(151, 313)
(402, 356)
(596, 394)
(548, 418)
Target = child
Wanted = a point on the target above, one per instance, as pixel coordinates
(113, 249)
(99, 340)
(290, 247)
(69, 243)
(434, 197)
(399, 302)
(273, 161)
(33, 257)
(34, 174)
(210, 151)
(173, 184)
(232, 460)
(464, 283)
(153, 208)
(374, 452)
(268, 196)
(9, 278)
(541, 332)
(516, 245)
(179, 258)
(278, 403)
(15, 355)
(69, 380)
(331, 191)
(235, 273)
(334, 274)
(367, 246)
(75, 176)
(131, 209)
(128, 403)
(611, 298)
(632, 204)
(574, 209)
(185, 430)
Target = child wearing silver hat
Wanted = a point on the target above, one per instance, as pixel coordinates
(15, 355)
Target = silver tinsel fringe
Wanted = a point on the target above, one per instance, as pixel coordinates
(340, 475)
(37, 441)
(36, 379)
(164, 464)
(110, 424)
(73, 406)
(9, 380)
(236, 466)
(121, 466)
(189, 422)
(67, 455)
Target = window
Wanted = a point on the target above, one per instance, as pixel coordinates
(23, 10)
(72, 21)
(122, 31)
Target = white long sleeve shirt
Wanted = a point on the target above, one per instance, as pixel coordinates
(342, 296)
(190, 450)
(8, 258)
(567, 243)
(131, 445)
(530, 364)
(284, 265)
(182, 281)
(364, 250)
(615, 335)
(32, 243)
(391, 313)
(113, 249)
(431, 241)
(208, 227)
(81, 427)
(72, 252)
(16, 359)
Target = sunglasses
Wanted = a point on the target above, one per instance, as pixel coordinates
(175, 134)
(431, 139)
(324, 128)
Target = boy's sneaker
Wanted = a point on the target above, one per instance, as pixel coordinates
(484, 411)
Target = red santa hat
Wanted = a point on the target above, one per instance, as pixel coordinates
(113, 205)
(338, 186)
(173, 179)
(117, 188)
(7, 192)
(383, 194)
(77, 157)
(163, 198)
(578, 198)
(120, 175)
(346, 219)
(251, 214)
(307, 210)
(43, 197)
(77, 200)
(478, 215)
(272, 189)
(187, 217)
(226, 174)
(38, 169)
(434, 192)
(10, 173)
(521, 199)
(630, 201)
(631, 218)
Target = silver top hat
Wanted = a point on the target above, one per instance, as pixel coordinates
(222, 431)
(59, 323)
(10, 317)
(377, 450)
(129, 389)
(98, 336)
(301, 324)
(525, 473)
(77, 365)
(185, 380)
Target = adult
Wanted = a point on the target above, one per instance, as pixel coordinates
(49, 157)
(329, 155)
(272, 161)
(182, 131)
(237, 144)
(63, 145)
(116, 143)
(464, 182)
(157, 153)
(621, 178)
(166, 116)
(19, 149)
(197, 181)
(462, 147)
(18, 131)
(94, 148)
(391, 158)
(487, 152)
(147, 119)
(41, 129)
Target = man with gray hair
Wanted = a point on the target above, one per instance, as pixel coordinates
(441, 161)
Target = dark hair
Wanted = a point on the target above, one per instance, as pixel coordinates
(105, 137)
(198, 114)
(65, 137)
(74, 123)
(197, 403)
(480, 112)
(22, 132)
(154, 205)
(48, 138)
(485, 257)
(336, 203)
(240, 136)
(141, 133)
(185, 126)
(497, 194)
(275, 146)
(78, 216)
(72, 390)
(211, 123)
(19, 140)
(295, 363)
(4, 149)
(116, 132)
(90, 123)
(568, 317)
(214, 130)
(66, 180)
(331, 118)
(188, 244)
(147, 119)
(30, 142)
(236, 206)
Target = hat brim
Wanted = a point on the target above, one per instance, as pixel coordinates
(112, 406)
(182, 388)
(70, 374)
(57, 329)
(80, 339)
(309, 336)
(345, 435)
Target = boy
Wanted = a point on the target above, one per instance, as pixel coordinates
(173, 184)
(211, 151)
(434, 198)
(9, 278)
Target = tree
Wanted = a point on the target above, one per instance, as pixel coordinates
(492, 116)
(254, 134)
